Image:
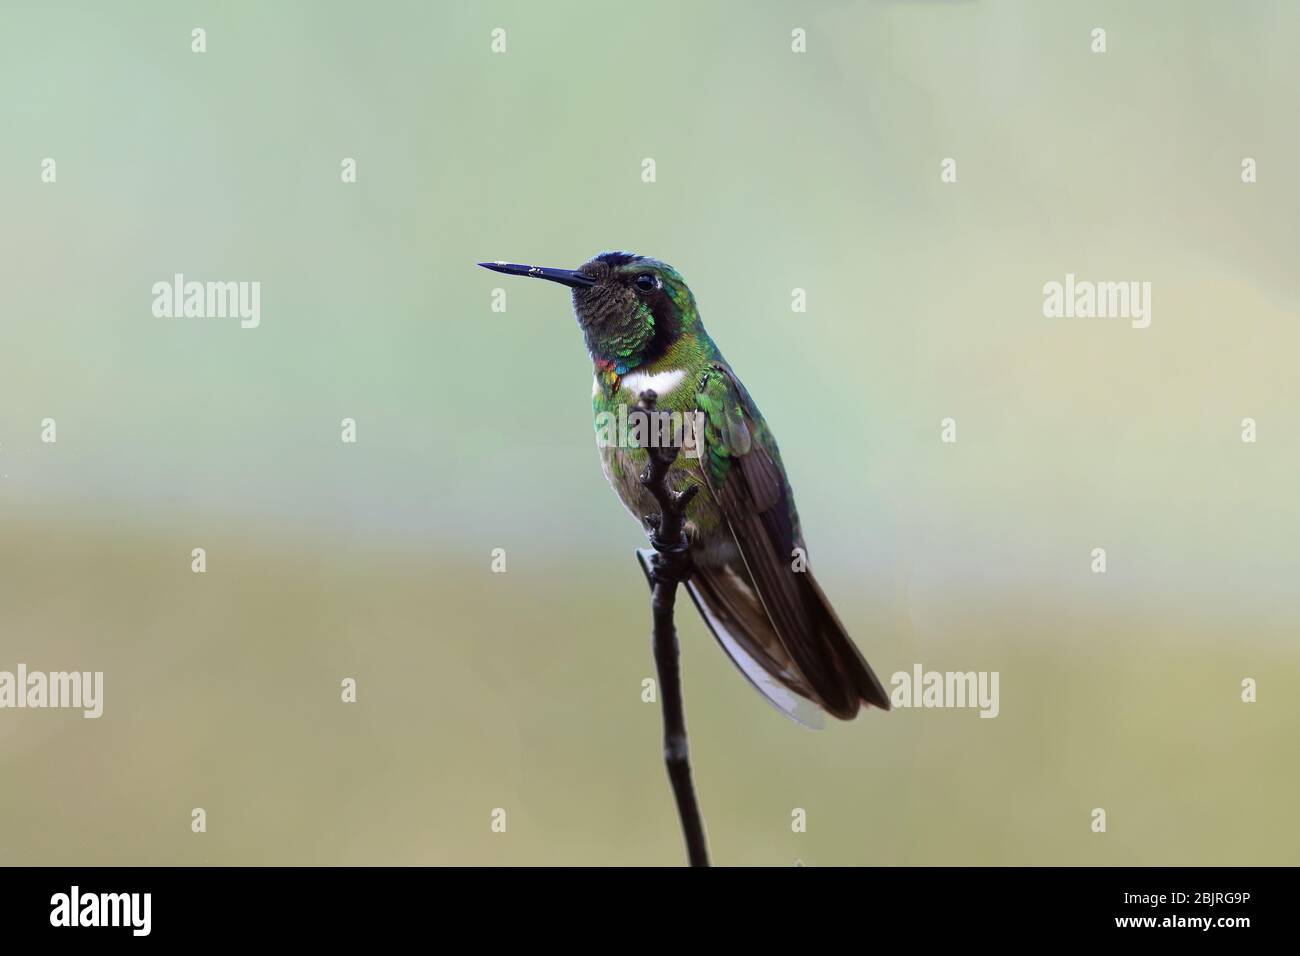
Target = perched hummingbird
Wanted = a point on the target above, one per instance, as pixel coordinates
(758, 598)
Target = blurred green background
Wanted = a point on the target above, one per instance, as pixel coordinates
(775, 170)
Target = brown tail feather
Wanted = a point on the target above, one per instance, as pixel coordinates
(727, 600)
(853, 667)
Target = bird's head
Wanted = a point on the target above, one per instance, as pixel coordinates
(630, 308)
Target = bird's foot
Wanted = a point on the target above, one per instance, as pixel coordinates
(669, 564)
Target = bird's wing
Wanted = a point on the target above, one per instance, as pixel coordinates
(729, 604)
(741, 466)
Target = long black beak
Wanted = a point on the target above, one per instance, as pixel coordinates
(570, 277)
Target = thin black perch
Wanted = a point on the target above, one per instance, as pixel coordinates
(667, 564)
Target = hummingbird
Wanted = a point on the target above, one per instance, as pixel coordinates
(749, 579)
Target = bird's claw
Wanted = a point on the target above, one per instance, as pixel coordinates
(668, 564)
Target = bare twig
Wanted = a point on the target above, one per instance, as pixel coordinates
(666, 565)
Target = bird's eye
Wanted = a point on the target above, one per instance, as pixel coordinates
(646, 282)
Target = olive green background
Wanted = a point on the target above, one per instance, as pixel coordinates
(775, 171)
